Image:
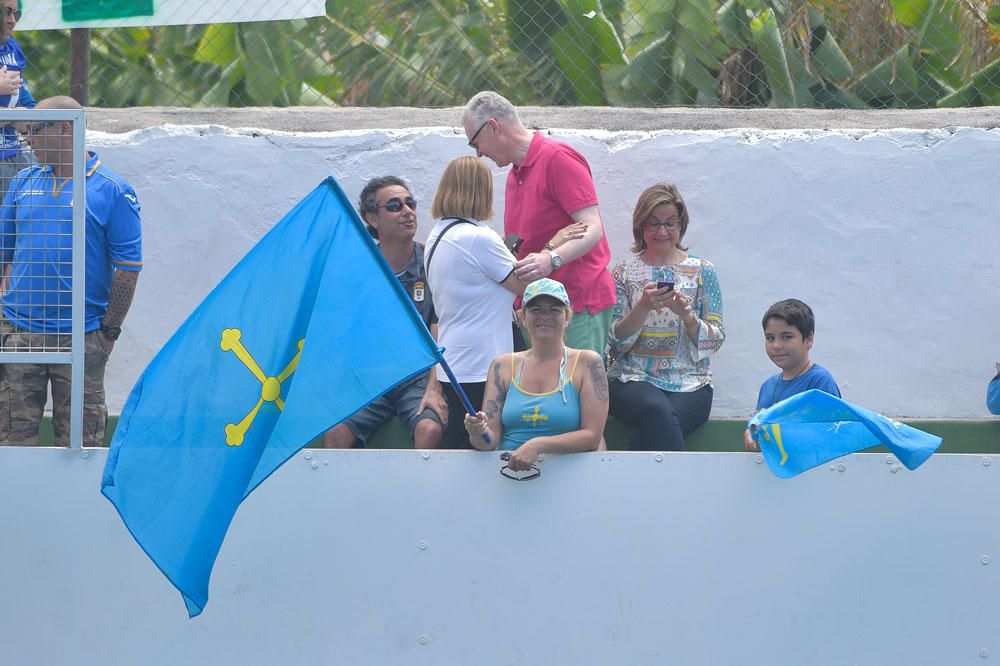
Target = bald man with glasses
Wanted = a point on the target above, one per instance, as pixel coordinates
(36, 241)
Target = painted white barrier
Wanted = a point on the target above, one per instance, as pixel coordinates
(890, 235)
(375, 558)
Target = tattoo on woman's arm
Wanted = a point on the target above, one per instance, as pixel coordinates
(599, 378)
(494, 406)
(501, 389)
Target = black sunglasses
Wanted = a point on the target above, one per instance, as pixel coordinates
(16, 13)
(472, 141)
(395, 204)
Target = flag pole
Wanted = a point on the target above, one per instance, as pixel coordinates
(461, 394)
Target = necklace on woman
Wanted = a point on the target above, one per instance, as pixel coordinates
(785, 384)
(562, 371)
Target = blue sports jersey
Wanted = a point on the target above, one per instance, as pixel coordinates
(14, 59)
(775, 389)
(36, 223)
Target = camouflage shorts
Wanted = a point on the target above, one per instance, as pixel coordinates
(24, 389)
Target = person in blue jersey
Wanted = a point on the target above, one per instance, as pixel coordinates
(548, 399)
(13, 93)
(36, 222)
(789, 329)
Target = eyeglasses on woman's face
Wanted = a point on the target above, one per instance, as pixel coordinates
(10, 11)
(653, 223)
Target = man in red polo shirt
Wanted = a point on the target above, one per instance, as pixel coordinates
(549, 198)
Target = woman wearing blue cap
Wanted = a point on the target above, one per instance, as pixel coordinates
(549, 399)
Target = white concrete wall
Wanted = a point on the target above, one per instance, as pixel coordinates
(890, 235)
(391, 558)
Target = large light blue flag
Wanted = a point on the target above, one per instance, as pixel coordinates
(814, 427)
(309, 327)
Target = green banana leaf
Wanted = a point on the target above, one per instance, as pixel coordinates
(771, 51)
(982, 90)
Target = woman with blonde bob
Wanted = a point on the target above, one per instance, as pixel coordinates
(666, 325)
(470, 273)
(549, 399)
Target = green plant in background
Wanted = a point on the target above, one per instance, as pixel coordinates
(781, 53)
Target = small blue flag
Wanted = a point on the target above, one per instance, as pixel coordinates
(308, 328)
(814, 427)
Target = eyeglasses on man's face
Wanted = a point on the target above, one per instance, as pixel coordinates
(395, 204)
(10, 11)
(34, 128)
(472, 141)
(653, 224)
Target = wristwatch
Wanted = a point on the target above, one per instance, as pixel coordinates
(557, 261)
(111, 332)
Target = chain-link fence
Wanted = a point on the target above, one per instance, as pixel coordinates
(739, 53)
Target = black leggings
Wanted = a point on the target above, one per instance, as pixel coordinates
(661, 419)
(455, 436)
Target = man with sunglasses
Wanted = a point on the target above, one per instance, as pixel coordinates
(549, 193)
(36, 222)
(390, 213)
(14, 93)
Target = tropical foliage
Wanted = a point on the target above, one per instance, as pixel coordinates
(781, 53)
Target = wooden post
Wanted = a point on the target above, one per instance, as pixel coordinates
(79, 75)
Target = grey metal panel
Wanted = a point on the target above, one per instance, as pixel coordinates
(373, 557)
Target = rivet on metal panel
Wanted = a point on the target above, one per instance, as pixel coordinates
(422, 545)
(326, 462)
(760, 459)
(425, 455)
(841, 467)
(983, 653)
(84, 454)
(987, 462)
(889, 460)
(423, 640)
(985, 560)
(658, 457)
(314, 464)
(308, 455)
(894, 469)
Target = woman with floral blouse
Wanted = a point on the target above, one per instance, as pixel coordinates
(665, 327)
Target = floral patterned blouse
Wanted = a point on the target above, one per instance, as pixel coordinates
(662, 352)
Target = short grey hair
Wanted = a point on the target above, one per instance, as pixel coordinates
(489, 104)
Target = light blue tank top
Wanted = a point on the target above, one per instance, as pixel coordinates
(528, 415)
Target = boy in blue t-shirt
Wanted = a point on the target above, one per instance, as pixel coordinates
(789, 326)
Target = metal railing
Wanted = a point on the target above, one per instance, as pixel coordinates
(736, 53)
